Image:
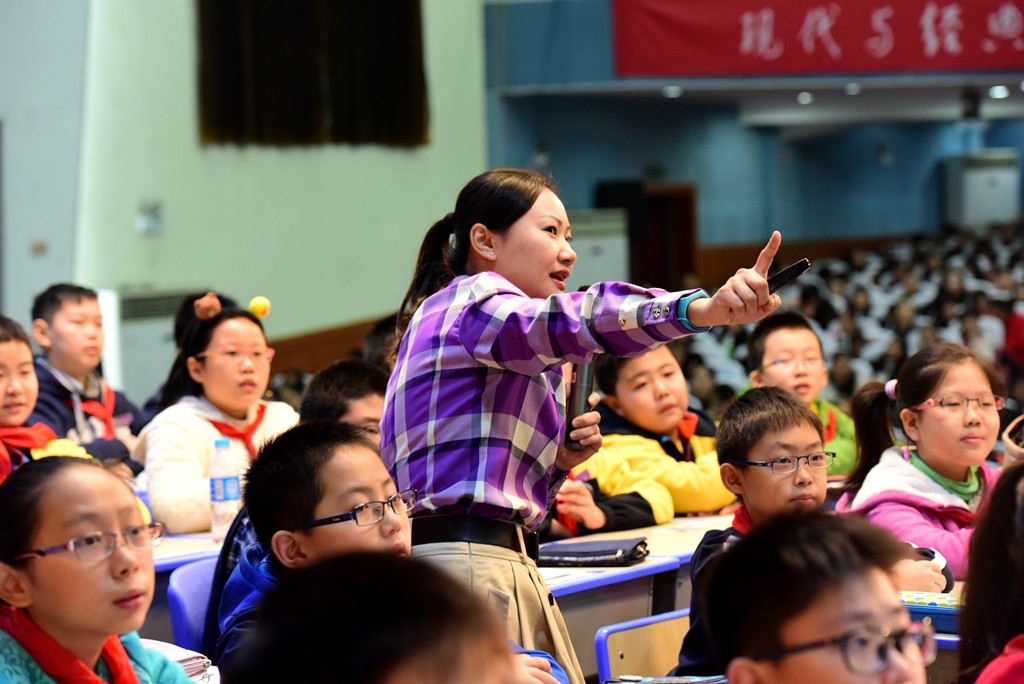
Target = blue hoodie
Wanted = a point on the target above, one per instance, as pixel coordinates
(249, 582)
(252, 579)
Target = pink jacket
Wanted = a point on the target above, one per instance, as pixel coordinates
(901, 498)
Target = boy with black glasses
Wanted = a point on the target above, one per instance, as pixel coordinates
(317, 491)
(824, 607)
(771, 455)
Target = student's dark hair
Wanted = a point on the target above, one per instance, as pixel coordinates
(196, 340)
(875, 414)
(755, 413)
(186, 314)
(19, 501)
(782, 320)
(497, 199)
(49, 301)
(606, 371)
(805, 554)
(361, 616)
(992, 612)
(608, 366)
(335, 387)
(10, 331)
(282, 486)
(381, 342)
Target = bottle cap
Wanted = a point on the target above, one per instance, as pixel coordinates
(222, 443)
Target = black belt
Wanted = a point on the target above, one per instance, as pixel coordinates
(436, 529)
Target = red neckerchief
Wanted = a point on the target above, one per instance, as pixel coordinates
(244, 435)
(103, 409)
(687, 429)
(59, 663)
(741, 521)
(21, 438)
(566, 519)
(830, 427)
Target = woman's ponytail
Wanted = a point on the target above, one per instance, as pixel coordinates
(433, 267)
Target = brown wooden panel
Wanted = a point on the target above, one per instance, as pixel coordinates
(312, 351)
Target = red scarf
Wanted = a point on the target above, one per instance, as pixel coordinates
(102, 409)
(830, 427)
(244, 435)
(59, 663)
(21, 438)
(567, 520)
(741, 521)
(687, 428)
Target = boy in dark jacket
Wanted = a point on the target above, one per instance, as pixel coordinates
(74, 400)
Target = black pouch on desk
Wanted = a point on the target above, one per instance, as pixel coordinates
(607, 553)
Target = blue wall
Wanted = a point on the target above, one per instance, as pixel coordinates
(748, 180)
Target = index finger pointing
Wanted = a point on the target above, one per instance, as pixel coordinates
(767, 255)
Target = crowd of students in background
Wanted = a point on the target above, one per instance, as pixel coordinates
(892, 373)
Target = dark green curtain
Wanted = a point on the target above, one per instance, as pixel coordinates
(311, 72)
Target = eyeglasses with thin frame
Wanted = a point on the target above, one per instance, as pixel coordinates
(788, 363)
(866, 651)
(957, 403)
(819, 460)
(262, 356)
(371, 512)
(99, 546)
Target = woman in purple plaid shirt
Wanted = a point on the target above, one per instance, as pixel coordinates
(474, 414)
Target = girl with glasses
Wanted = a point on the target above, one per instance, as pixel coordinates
(76, 577)
(215, 389)
(928, 483)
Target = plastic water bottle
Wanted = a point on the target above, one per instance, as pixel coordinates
(225, 489)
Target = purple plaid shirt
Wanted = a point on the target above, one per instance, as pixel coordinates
(475, 408)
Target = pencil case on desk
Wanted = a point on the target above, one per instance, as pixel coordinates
(941, 608)
(611, 552)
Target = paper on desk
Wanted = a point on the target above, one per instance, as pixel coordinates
(195, 664)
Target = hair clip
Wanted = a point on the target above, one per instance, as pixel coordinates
(207, 306)
(259, 306)
(890, 389)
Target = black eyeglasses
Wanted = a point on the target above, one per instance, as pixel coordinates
(819, 460)
(94, 547)
(371, 512)
(866, 651)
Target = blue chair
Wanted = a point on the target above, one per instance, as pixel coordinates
(188, 593)
(646, 646)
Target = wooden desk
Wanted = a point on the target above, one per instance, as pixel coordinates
(173, 551)
(591, 598)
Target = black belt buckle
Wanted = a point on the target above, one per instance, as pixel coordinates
(434, 529)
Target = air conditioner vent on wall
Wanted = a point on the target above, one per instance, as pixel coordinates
(139, 306)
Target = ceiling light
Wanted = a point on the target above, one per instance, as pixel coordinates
(999, 92)
(671, 91)
(805, 98)
(853, 88)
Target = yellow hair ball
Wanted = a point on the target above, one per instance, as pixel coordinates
(259, 306)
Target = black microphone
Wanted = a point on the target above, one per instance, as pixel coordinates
(582, 387)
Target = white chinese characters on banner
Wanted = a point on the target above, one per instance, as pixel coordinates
(940, 29)
(1005, 25)
(881, 43)
(758, 35)
(817, 26)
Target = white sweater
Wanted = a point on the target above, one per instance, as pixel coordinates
(176, 448)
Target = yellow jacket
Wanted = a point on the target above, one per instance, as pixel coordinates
(695, 487)
(615, 476)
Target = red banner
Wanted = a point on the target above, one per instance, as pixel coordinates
(783, 37)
